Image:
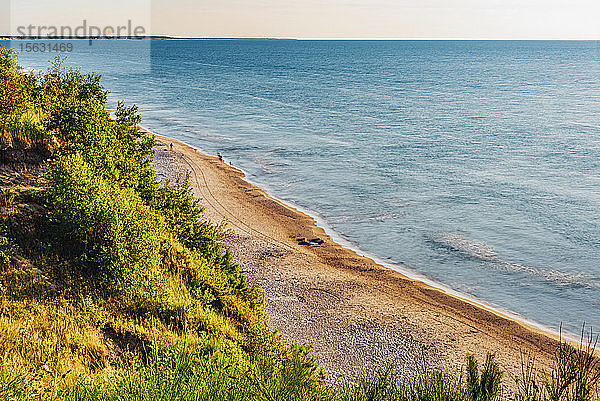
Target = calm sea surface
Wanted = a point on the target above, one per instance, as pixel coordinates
(476, 164)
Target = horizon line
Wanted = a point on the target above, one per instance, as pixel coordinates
(375, 39)
(175, 37)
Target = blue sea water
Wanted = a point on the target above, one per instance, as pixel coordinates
(474, 163)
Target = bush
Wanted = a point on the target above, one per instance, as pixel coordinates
(114, 237)
(487, 386)
(180, 374)
(114, 230)
(574, 376)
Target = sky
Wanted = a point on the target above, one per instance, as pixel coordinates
(322, 19)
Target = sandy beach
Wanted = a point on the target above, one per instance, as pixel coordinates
(356, 313)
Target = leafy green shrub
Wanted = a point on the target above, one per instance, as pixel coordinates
(435, 386)
(127, 116)
(487, 386)
(115, 229)
(427, 385)
(382, 384)
(181, 374)
(576, 372)
(13, 88)
(19, 124)
(114, 236)
(574, 376)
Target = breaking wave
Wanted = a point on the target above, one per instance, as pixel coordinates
(479, 250)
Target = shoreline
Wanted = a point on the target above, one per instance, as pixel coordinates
(413, 274)
(397, 267)
(451, 310)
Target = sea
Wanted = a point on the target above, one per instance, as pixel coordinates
(472, 164)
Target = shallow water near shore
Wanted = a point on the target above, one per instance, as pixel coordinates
(476, 164)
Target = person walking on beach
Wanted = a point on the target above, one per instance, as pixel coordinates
(171, 146)
(219, 156)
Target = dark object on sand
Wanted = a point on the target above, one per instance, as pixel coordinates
(171, 147)
(314, 241)
(219, 156)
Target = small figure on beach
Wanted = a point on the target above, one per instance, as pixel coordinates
(219, 156)
(171, 147)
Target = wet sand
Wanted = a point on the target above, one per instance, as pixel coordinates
(356, 313)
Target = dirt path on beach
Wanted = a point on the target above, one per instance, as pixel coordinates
(356, 313)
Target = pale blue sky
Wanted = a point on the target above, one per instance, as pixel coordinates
(402, 19)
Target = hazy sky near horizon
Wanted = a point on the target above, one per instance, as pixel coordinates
(402, 19)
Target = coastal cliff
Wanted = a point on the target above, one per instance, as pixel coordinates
(122, 279)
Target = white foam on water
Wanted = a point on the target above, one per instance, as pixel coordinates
(481, 251)
(466, 246)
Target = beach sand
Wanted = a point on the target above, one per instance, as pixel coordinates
(356, 313)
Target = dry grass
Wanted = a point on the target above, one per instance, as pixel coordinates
(46, 342)
(24, 132)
